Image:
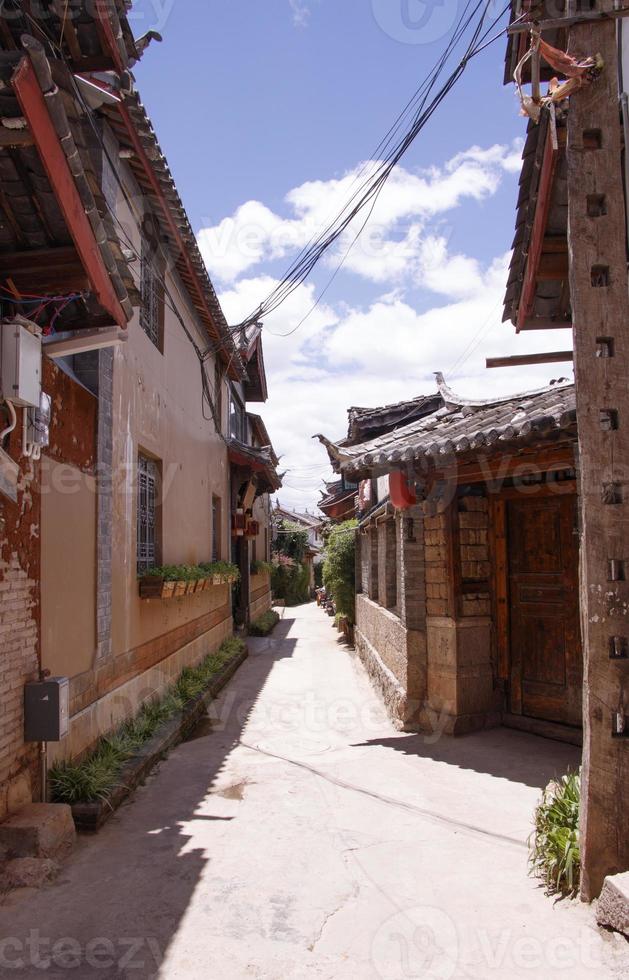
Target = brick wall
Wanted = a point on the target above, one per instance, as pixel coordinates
(473, 517)
(436, 557)
(19, 629)
(411, 568)
(387, 563)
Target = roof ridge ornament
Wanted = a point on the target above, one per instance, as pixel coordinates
(456, 401)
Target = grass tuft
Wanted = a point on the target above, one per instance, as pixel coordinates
(94, 778)
(555, 847)
(264, 624)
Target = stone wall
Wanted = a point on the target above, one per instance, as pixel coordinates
(382, 644)
(392, 642)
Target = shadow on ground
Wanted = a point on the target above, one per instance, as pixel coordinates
(122, 895)
(501, 752)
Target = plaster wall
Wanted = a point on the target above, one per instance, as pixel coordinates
(158, 410)
(68, 569)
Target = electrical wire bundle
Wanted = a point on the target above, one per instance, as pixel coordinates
(387, 155)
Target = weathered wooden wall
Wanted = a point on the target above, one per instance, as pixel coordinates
(598, 283)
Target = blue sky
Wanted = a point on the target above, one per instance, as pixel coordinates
(264, 110)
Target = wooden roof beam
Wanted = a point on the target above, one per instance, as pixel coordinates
(539, 323)
(519, 360)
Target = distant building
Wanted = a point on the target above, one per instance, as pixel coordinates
(310, 523)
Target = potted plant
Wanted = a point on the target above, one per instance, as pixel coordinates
(155, 584)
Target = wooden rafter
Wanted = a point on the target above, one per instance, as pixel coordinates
(33, 105)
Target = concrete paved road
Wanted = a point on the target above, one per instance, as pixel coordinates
(370, 854)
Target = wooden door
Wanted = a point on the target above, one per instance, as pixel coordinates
(546, 659)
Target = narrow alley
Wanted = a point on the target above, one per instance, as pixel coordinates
(299, 834)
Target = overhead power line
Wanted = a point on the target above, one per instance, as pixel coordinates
(420, 108)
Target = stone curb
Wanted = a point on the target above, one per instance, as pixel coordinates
(90, 817)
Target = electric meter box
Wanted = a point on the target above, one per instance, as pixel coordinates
(46, 710)
(20, 365)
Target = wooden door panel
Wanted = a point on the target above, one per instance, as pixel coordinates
(546, 661)
(537, 539)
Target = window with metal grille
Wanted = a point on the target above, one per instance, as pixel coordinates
(147, 525)
(152, 296)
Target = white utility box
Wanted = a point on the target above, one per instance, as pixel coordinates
(20, 364)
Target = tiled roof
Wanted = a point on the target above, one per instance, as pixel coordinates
(463, 425)
(217, 326)
(298, 517)
(364, 422)
(261, 460)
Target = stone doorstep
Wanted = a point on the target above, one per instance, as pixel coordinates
(613, 905)
(38, 830)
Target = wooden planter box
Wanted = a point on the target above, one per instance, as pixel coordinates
(180, 589)
(156, 588)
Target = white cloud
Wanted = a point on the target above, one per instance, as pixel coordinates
(301, 12)
(386, 249)
(381, 353)
(381, 350)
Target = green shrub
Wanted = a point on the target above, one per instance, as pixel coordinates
(554, 844)
(264, 624)
(290, 581)
(222, 569)
(192, 573)
(291, 540)
(94, 778)
(339, 575)
(261, 567)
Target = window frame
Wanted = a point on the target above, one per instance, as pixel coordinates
(237, 410)
(152, 313)
(148, 513)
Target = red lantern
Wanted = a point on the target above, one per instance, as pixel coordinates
(401, 493)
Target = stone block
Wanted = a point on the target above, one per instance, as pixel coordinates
(19, 793)
(28, 872)
(42, 830)
(613, 905)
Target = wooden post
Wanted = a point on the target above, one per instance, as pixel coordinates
(600, 310)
